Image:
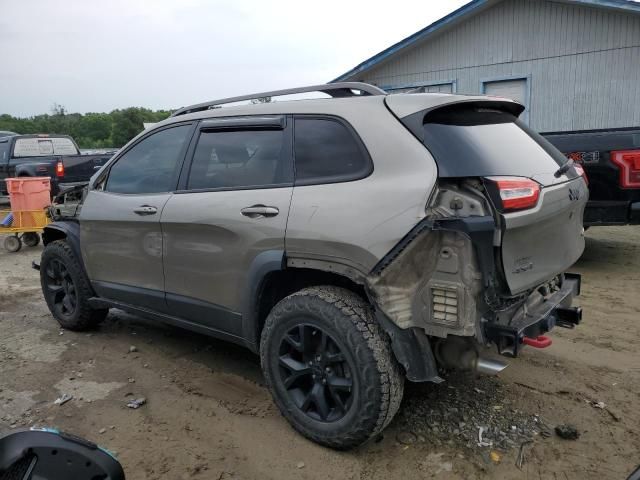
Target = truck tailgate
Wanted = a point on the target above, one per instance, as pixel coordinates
(79, 168)
(539, 243)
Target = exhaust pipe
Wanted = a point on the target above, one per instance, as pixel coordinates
(489, 366)
(462, 353)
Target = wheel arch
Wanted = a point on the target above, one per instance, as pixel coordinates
(68, 231)
(271, 278)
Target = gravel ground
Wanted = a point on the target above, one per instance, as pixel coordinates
(208, 415)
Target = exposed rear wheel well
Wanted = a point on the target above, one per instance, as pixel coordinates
(282, 283)
(52, 234)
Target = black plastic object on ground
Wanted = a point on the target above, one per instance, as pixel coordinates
(53, 455)
(567, 431)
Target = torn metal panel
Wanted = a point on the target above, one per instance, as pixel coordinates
(434, 283)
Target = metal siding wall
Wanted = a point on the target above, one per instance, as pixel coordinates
(584, 62)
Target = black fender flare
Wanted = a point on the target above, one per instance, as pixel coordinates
(29, 169)
(64, 230)
(262, 265)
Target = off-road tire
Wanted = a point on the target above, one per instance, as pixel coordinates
(378, 382)
(83, 316)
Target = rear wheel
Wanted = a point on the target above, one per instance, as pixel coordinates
(31, 239)
(66, 288)
(329, 366)
(12, 243)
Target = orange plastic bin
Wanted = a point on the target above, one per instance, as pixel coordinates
(29, 196)
(29, 193)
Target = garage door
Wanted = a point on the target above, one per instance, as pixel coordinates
(514, 89)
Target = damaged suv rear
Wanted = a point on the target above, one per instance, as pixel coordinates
(352, 242)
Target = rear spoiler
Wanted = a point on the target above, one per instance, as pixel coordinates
(415, 120)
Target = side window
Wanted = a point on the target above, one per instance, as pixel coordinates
(234, 159)
(327, 151)
(150, 166)
(4, 151)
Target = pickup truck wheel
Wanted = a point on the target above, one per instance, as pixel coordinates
(31, 239)
(66, 288)
(12, 243)
(329, 366)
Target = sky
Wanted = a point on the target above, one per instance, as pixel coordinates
(99, 55)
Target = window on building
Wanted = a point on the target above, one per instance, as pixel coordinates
(326, 151)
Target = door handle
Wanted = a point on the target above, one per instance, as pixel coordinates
(145, 210)
(256, 211)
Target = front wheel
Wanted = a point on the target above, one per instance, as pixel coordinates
(329, 366)
(66, 288)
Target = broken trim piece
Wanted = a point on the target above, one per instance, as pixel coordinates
(480, 231)
(412, 349)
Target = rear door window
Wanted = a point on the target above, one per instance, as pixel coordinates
(327, 151)
(240, 159)
(4, 151)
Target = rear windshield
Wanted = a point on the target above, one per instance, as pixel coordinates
(468, 141)
(41, 147)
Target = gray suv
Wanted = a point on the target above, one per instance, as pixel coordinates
(351, 241)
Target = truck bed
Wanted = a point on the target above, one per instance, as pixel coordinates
(609, 202)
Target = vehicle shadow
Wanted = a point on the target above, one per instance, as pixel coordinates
(176, 343)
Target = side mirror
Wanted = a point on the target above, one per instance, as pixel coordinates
(47, 454)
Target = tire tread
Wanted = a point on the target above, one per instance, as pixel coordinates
(86, 317)
(373, 417)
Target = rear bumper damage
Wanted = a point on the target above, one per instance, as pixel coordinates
(437, 294)
(529, 324)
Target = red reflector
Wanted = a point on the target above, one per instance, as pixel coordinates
(60, 169)
(629, 163)
(517, 193)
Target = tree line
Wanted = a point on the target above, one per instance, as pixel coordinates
(89, 130)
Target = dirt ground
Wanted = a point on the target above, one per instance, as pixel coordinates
(209, 416)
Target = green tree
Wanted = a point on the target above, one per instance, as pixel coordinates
(91, 130)
(127, 124)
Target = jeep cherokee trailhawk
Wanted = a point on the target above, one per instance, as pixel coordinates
(351, 241)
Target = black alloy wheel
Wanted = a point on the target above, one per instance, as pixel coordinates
(60, 289)
(329, 366)
(315, 373)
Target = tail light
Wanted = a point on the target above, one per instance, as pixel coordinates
(515, 193)
(629, 163)
(60, 169)
(580, 169)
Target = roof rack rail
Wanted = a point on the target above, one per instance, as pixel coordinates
(338, 89)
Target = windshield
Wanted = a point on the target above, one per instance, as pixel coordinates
(40, 147)
(469, 141)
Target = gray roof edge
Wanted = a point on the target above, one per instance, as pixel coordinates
(468, 9)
